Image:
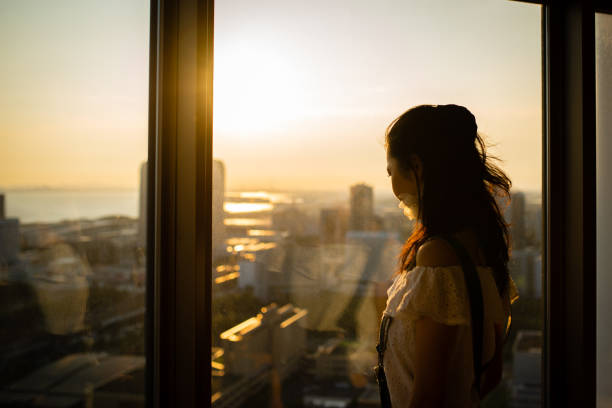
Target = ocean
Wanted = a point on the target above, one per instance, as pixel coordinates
(57, 205)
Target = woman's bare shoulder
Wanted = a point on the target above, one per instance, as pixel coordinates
(436, 252)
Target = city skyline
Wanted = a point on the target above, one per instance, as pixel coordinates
(61, 204)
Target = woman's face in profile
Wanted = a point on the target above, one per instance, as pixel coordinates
(400, 182)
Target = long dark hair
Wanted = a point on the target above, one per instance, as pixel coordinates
(460, 185)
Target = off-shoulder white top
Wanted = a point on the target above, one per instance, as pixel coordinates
(440, 293)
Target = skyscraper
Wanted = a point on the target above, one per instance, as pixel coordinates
(9, 236)
(217, 200)
(218, 213)
(519, 236)
(332, 225)
(362, 207)
(142, 206)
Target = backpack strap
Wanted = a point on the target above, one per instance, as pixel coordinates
(379, 370)
(472, 283)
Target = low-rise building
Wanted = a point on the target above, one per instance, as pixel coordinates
(268, 345)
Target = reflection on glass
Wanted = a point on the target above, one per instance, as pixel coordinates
(306, 229)
(72, 203)
(603, 83)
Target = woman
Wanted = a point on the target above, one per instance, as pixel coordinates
(440, 172)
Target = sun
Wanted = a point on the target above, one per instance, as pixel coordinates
(256, 90)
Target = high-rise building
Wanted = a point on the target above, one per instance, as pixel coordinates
(217, 201)
(9, 236)
(525, 267)
(519, 235)
(218, 213)
(333, 224)
(291, 220)
(362, 207)
(142, 206)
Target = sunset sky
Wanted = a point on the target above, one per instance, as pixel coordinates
(303, 89)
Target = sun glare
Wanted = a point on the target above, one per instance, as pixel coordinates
(255, 90)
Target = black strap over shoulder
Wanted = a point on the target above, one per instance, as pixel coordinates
(472, 283)
(379, 370)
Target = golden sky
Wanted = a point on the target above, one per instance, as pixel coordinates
(303, 89)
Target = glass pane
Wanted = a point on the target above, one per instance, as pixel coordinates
(73, 146)
(603, 83)
(307, 231)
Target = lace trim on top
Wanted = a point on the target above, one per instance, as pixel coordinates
(440, 293)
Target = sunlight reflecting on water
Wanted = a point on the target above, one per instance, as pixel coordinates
(247, 222)
(238, 208)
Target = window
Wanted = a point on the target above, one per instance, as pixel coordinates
(306, 230)
(76, 307)
(73, 152)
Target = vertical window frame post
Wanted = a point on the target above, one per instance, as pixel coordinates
(180, 163)
(570, 258)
